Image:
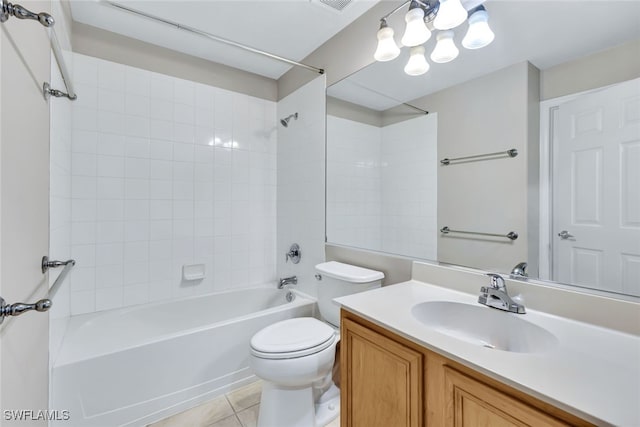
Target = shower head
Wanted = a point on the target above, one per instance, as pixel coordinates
(285, 121)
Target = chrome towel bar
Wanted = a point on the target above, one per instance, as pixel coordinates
(512, 235)
(44, 304)
(8, 10)
(18, 308)
(47, 264)
(511, 153)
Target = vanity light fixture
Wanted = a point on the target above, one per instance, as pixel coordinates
(387, 48)
(445, 50)
(417, 64)
(450, 15)
(424, 16)
(416, 32)
(479, 34)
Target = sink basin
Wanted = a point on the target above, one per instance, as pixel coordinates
(484, 326)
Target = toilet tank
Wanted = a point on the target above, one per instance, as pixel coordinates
(338, 279)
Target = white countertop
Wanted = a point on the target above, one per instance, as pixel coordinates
(593, 372)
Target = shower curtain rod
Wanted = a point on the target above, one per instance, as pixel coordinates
(212, 36)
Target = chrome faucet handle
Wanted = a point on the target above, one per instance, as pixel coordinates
(495, 295)
(294, 254)
(497, 282)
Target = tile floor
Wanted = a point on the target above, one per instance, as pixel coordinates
(238, 408)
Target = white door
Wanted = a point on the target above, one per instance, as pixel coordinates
(24, 216)
(596, 203)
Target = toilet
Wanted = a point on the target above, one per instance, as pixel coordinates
(295, 357)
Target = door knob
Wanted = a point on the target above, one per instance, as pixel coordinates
(564, 235)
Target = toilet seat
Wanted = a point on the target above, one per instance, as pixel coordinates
(292, 338)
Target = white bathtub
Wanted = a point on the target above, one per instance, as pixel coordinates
(137, 365)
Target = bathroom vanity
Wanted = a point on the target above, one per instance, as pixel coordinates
(400, 368)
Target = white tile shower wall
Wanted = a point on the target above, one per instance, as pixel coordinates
(167, 172)
(353, 183)
(409, 187)
(301, 182)
(381, 186)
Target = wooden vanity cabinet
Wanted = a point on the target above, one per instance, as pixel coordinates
(389, 381)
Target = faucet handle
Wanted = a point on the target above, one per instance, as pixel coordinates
(294, 254)
(497, 282)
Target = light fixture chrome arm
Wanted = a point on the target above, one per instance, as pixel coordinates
(384, 18)
(425, 5)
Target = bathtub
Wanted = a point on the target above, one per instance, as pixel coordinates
(137, 365)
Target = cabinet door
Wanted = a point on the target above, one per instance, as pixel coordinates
(470, 403)
(381, 380)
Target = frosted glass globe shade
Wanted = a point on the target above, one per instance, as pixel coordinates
(417, 63)
(387, 48)
(445, 50)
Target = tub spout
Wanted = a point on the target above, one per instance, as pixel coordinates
(293, 280)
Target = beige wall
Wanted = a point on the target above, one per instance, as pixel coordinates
(485, 115)
(396, 269)
(346, 110)
(533, 170)
(610, 66)
(114, 47)
(24, 208)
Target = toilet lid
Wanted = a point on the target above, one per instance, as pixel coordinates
(292, 338)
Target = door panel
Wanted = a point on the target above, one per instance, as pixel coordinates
(630, 183)
(596, 194)
(586, 198)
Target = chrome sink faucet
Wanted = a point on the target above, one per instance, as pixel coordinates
(520, 270)
(293, 280)
(495, 295)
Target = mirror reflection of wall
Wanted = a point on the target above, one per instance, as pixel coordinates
(498, 107)
(380, 193)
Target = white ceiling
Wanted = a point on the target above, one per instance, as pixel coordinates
(288, 28)
(544, 32)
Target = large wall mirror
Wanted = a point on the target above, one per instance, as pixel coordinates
(553, 103)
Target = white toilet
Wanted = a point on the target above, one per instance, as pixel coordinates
(295, 357)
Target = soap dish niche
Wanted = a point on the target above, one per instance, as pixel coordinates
(193, 272)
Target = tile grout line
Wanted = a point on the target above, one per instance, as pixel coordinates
(235, 413)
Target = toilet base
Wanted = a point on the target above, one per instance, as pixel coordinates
(328, 406)
(295, 407)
